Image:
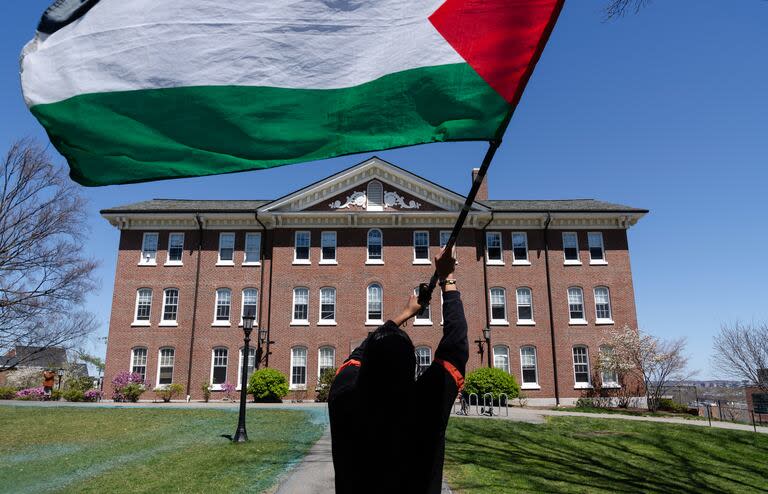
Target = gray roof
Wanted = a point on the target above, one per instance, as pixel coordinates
(561, 205)
(30, 356)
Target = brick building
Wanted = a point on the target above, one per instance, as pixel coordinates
(324, 265)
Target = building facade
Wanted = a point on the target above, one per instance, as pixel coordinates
(323, 266)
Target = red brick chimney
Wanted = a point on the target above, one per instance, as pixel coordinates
(482, 193)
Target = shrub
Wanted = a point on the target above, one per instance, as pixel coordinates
(206, 387)
(74, 395)
(7, 392)
(324, 384)
(80, 383)
(128, 386)
(93, 395)
(268, 385)
(229, 390)
(167, 393)
(55, 395)
(668, 405)
(494, 381)
(31, 394)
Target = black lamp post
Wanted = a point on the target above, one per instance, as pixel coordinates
(241, 435)
(60, 373)
(259, 347)
(487, 336)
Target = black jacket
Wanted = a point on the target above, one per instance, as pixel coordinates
(398, 446)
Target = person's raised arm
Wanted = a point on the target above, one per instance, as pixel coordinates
(453, 347)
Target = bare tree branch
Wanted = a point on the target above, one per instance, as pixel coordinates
(741, 351)
(619, 8)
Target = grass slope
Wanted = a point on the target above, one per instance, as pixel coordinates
(146, 450)
(584, 455)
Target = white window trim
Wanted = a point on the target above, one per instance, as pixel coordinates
(130, 363)
(170, 322)
(295, 245)
(375, 262)
(572, 262)
(333, 261)
(440, 242)
(299, 322)
(217, 387)
(422, 322)
(306, 372)
(320, 320)
(159, 356)
(240, 352)
(581, 385)
(493, 357)
(421, 261)
(219, 262)
(533, 385)
(242, 306)
(245, 244)
(524, 322)
(168, 261)
(494, 262)
(148, 322)
(498, 322)
(222, 323)
(142, 262)
(374, 322)
(318, 358)
(368, 205)
(368, 260)
(597, 262)
(520, 262)
(577, 322)
(603, 321)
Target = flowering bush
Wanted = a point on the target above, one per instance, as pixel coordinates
(31, 394)
(229, 390)
(93, 395)
(167, 393)
(128, 386)
(25, 378)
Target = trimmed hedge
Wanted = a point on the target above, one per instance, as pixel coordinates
(494, 381)
(268, 386)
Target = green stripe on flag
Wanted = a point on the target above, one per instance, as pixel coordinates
(136, 136)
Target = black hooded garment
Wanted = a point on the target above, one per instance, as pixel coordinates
(396, 444)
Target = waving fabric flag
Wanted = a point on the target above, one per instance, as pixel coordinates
(147, 90)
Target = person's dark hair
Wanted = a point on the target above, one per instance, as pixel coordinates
(389, 362)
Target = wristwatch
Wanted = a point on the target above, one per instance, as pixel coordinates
(442, 283)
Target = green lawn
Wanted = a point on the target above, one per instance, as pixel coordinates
(146, 450)
(636, 413)
(585, 455)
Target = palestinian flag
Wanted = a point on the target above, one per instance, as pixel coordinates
(145, 89)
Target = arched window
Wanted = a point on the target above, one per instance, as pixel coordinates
(139, 361)
(375, 243)
(223, 305)
(298, 367)
(300, 305)
(165, 363)
(423, 359)
(498, 306)
(250, 303)
(251, 366)
(327, 305)
(528, 366)
(326, 360)
(501, 357)
(375, 196)
(603, 305)
(608, 368)
(170, 305)
(524, 305)
(374, 310)
(576, 304)
(143, 306)
(219, 361)
(581, 366)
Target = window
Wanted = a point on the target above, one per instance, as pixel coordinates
(524, 305)
(374, 311)
(149, 249)
(421, 247)
(576, 305)
(596, 250)
(581, 366)
(571, 247)
(326, 360)
(375, 196)
(170, 305)
(252, 248)
(328, 247)
(250, 303)
(300, 305)
(602, 305)
(501, 357)
(327, 305)
(520, 248)
(251, 366)
(608, 374)
(423, 317)
(219, 367)
(226, 248)
(375, 242)
(493, 248)
(175, 248)
(528, 366)
(301, 248)
(423, 359)
(143, 305)
(139, 362)
(444, 236)
(298, 367)
(165, 366)
(498, 306)
(223, 305)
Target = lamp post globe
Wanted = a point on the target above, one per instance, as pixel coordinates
(241, 435)
(487, 336)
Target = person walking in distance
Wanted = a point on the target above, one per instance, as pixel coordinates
(382, 444)
(48, 379)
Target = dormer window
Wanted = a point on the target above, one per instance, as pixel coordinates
(375, 196)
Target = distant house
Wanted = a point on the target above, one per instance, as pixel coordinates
(26, 357)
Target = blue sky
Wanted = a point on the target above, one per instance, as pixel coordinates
(665, 110)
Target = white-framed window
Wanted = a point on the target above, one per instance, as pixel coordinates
(603, 306)
(223, 306)
(149, 249)
(298, 367)
(219, 362)
(424, 316)
(374, 304)
(520, 248)
(581, 367)
(375, 247)
(175, 249)
(226, 248)
(328, 248)
(498, 306)
(143, 307)
(170, 305)
(596, 248)
(528, 368)
(300, 306)
(493, 248)
(444, 236)
(608, 372)
(524, 305)
(165, 362)
(571, 248)
(375, 196)
(501, 357)
(250, 305)
(301, 247)
(576, 305)
(327, 306)
(326, 359)
(251, 366)
(139, 362)
(423, 359)
(421, 247)
(252, 254)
